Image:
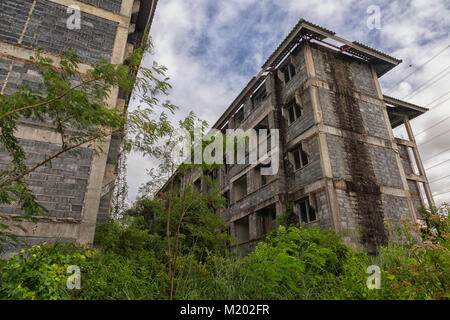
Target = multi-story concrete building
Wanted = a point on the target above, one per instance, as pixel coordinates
(340, 165)
(76, 190)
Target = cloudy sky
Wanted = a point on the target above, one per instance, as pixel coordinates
(212, 48)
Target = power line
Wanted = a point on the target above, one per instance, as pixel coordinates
(418, 68)
(432, 126)
(435, 137)
(429, 104)
(433, 107)
(441, 193)
(436, 165)
(435, 155)
(428, 84)
(436, 180)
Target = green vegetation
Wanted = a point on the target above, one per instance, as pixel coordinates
(75, 103)
(291, 263)
(175, 246)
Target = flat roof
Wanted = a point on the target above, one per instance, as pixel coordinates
(397, 109)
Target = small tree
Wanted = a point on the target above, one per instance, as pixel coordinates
(181, 212)
(76, 106)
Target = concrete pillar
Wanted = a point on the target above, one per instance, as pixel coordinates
(253, 226)
(422, 172)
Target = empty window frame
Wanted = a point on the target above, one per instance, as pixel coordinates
(226, 195)
(306, 211)
(294, 111)
(289, 72)
(240, 188)
(239, 117)
(260, 95)
(198, 184)
(242, 230)
(267, 220)
(300, 157)
(262, 180)
(263, 124)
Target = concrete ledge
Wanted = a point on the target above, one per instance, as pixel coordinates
(45, 227)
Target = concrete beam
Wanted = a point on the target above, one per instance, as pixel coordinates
(325, 161)
(122, 19)
(45, 227)
(394, 147)
(423, 174)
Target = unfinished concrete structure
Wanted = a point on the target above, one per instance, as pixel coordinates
(76, 190)
(340, 165)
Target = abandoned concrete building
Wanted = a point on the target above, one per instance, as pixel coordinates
(341, 166)
(76, 190)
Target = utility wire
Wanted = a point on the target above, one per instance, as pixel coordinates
(441, 193)
(436, 180)
(437, 99)
(430, 108)
(418, 68)
(435, 155)
(428, 83)
(436, 105)
(436, 165)
(434, 125)
(443, 120)
(435, 137)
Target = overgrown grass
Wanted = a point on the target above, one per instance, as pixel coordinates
(292, 263)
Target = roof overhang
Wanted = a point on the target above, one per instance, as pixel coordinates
(380, 61)
(304, 29)
(398, 110)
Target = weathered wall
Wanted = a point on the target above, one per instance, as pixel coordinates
(60, 186)
(364, 167)
(46, 27)
(77, 188)
(111, 5)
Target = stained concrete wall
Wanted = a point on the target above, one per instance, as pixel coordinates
(346, 96)
(77, 188)
(355, 174)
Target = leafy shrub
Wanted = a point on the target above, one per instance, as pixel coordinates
(112, 277)
(128, 237)
(41, 271)
(295, 263)
(291, 263)
(416, 266)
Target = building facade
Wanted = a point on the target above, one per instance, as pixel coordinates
(76, 189)
(340, 165)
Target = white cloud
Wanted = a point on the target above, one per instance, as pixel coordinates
(213, 48)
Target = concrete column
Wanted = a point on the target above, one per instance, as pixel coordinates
(325, 161)
(253, 226)
(394, 146)
(422, 172)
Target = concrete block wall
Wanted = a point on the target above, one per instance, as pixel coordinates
(42, 23)
(357, 172)
(111, 5)
(59, 186)
(370, 184)
(77, 188)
